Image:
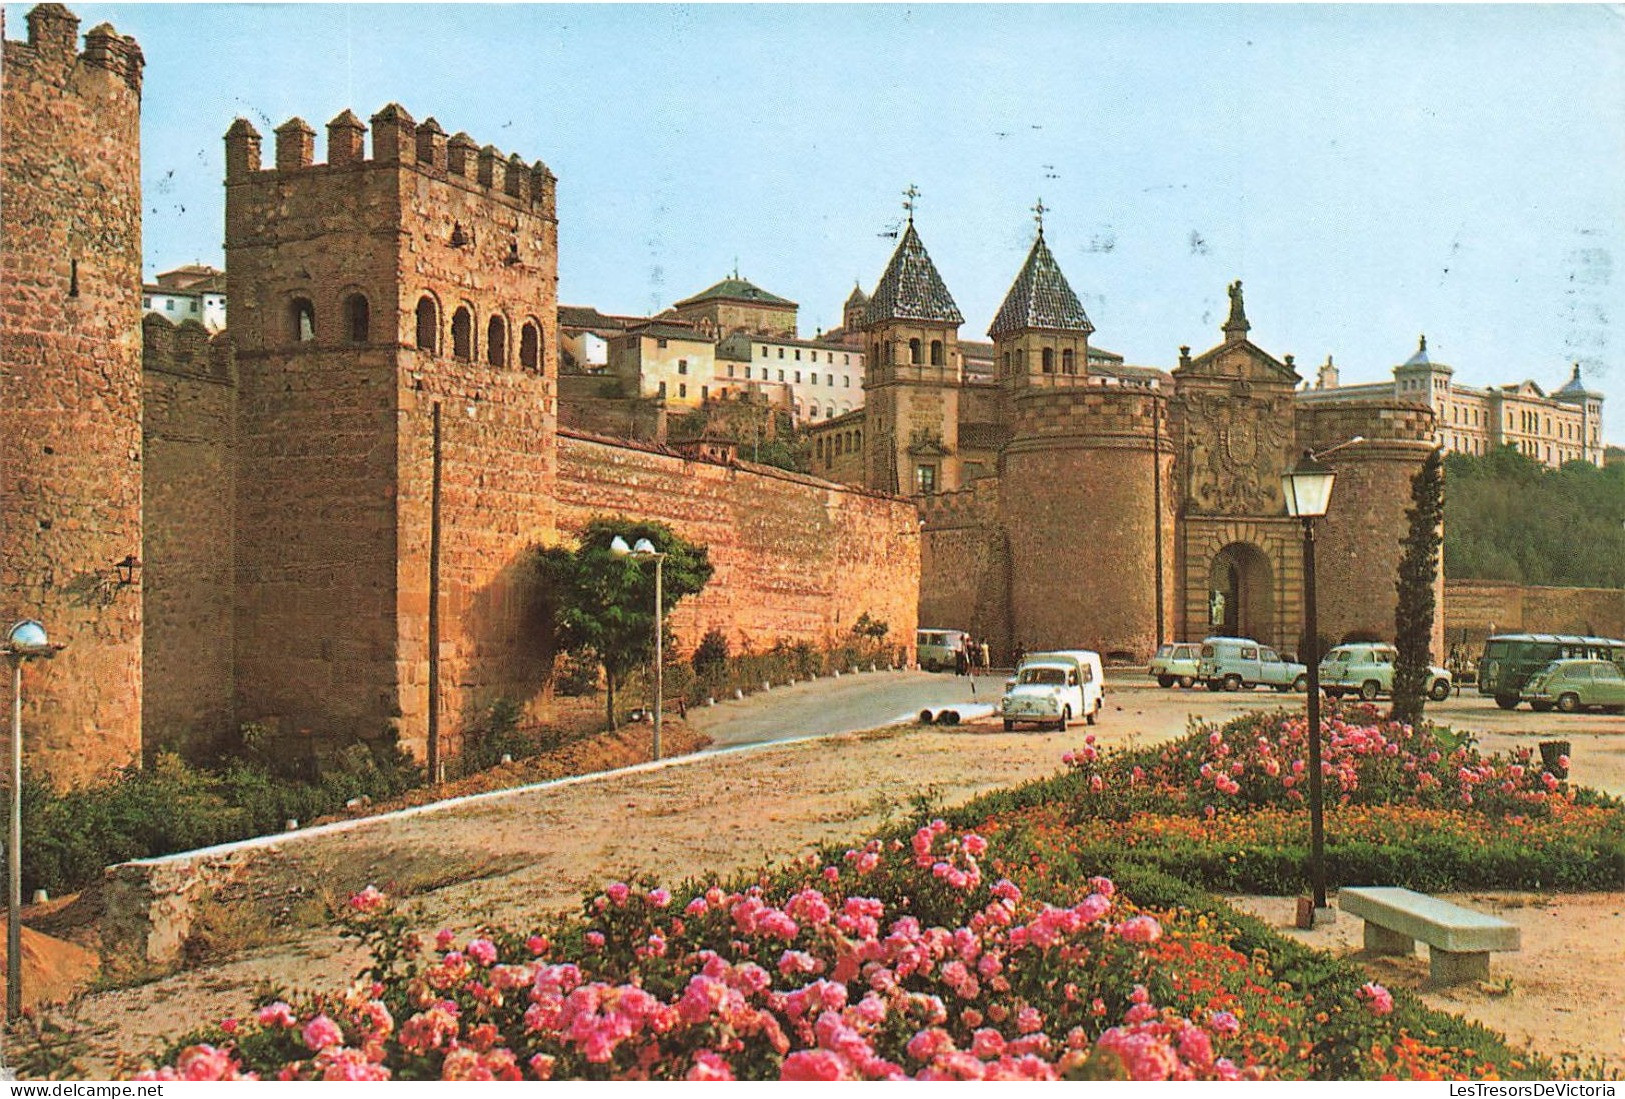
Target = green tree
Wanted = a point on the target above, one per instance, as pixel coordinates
(1510, 518)
(603, 604)
(1418, 573)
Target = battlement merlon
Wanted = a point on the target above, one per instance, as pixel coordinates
(397, 142)
(53, 40)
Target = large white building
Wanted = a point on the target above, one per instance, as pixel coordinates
(1563, 426)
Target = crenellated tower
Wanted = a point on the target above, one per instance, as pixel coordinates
(394, 320)
(912, 374)
(70, 386)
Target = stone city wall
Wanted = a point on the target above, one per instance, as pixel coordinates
(796, 558)
(188, 546)
(965, 564)
(1474, 609)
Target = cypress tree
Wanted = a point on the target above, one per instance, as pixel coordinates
(1418, 572)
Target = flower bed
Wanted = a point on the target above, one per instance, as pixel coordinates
(993, 948)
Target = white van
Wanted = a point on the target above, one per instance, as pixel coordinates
(937, 649)
(1053, 689)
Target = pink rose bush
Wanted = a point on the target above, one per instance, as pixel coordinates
(1261, 760)
(904, 964)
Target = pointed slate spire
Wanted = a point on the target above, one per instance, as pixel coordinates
(911, 289)
(1040, 298)
(857, 297)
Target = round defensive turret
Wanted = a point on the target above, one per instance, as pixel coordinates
(1079, 495)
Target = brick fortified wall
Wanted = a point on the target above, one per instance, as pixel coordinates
(189, 429)
(796, 558)
(1077, 496)
(70, 385)
(965, 564)
(1477, 608)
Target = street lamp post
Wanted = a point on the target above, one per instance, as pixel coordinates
(1308, 490)
(646, 549)
(26, 640)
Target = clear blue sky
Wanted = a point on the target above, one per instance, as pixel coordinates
(1371, 173)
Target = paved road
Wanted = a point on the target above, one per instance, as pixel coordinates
(869, 700)
(850, 703)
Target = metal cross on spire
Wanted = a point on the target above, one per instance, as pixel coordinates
(909, 203)
(1039, 210)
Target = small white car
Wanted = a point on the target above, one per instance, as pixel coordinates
(1367, 669)
(1175, 664)
(1052, 690)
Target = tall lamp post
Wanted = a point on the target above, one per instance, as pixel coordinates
(1308, 490)
(646, 549)
(26, 640)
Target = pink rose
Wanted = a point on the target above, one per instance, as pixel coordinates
(368, 900)
(277, 1014)
(1376, 998)
(322, 1032)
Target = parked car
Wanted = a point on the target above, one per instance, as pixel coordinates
(1575, 685)
(1231, 663)
(1367, 669)
(1175, 664)
(1052, 689)
(938, 649)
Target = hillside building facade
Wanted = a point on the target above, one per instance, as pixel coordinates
(1563, 426)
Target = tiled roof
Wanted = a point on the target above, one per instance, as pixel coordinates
(911, 289)
(1040, 298)
(738, 289)
(670, 332)
(857, 296)
(1574, 387)
(587, 316)
(1421, 356)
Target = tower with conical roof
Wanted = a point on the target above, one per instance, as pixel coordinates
(852, 313)
(912, 368)
(1079, 488)
(1041, 332)
(1589, 402)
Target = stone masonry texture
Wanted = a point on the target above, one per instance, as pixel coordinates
(70, 386)
(368, 293)
(796, 559)
(189, 410)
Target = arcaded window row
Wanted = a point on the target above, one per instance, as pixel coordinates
(465, 346)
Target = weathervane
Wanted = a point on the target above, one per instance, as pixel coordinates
(1039, 211)
(909, 196)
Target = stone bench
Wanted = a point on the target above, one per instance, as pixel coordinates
(1459, 939)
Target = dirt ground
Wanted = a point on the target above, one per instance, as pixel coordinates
(505, 859)
(1564, 991)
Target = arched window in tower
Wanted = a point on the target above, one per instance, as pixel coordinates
(1049, 360)
(462, 334)
(1069, 362)
(357, 318)
(428, 325)
(1006, 361)
(936, 353)
(530, 346)
(496, 342)
(302, 320)
(914, 351)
